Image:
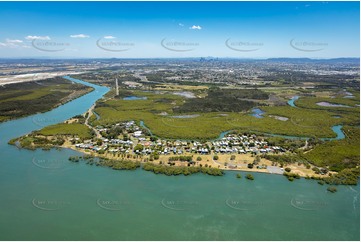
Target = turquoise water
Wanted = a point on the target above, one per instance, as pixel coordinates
(223, 134)
(141, 124)
(291, 102)
(337, 129)
(256, 112)
(45, 197)
(131, 98)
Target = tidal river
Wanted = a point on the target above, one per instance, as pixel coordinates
(45, 197)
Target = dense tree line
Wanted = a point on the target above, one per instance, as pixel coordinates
(280, 158)
(223, 100)
(291, 176)
(178, 170)
(120, 164)
(19, 108)
(344, 177)
(180, 158)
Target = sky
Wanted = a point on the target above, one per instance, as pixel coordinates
(179, 29)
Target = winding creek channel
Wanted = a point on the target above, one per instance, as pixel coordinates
(43, 196)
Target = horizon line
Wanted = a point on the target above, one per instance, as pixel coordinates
(200, 57)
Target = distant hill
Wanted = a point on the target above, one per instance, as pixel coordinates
(309, 60)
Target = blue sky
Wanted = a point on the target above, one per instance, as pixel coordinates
(179, 29)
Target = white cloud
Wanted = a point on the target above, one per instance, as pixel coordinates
(33, 37)
(14, 41)
(180, 24)
(196, 27)
(81, 36)
(109, 37)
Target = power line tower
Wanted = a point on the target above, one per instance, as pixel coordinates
(116, 87)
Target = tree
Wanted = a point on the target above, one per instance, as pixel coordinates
(199, 158)
(215, 157)
(138, 147)
(287, 169)
(249, 177)
(238, 175)
(233, 157)
(316, 170)
(332, 189)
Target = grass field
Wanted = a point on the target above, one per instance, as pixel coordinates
(311, 103)
(74, 129)
(301, 121)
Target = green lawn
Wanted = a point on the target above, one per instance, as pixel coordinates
(75, 129)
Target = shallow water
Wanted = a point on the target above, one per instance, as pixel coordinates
(132, 98)
(327, 104)
(258, 113)
(291, 102)
(185, 94)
